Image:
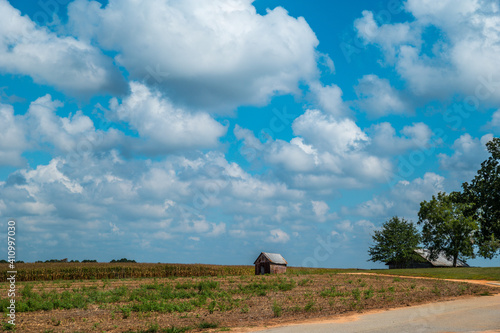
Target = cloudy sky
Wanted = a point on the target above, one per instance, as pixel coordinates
(209, 131)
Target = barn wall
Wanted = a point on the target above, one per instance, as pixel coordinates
(278, 269)
(411, 265)
(262, 262)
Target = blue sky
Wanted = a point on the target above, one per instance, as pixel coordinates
(207, 133)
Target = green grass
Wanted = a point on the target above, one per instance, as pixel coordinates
(465, 273)
(331, 292)
(304, 282)
(310, 305)
(146, 298)
(277, 309)
(208, 325)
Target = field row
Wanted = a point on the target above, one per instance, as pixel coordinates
(98, 271)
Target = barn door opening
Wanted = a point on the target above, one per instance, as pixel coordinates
(262, 269)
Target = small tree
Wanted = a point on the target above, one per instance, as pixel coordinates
(395, 243)
(446, 227)
(484, 194)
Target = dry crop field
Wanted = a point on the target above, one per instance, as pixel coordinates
(93, 271)
(216, 303)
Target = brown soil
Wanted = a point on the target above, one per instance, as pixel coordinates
(304, 303)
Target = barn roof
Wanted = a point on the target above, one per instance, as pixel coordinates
(274, 258)
(441, 260)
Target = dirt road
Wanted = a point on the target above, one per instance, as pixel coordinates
(478, 314)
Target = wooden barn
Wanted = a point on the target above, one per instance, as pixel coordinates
(270, 263)
(424, 261)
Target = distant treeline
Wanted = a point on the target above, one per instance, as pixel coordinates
(66, 260)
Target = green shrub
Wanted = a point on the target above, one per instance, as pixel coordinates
(276, 309)
(208, 325)
(310, 305)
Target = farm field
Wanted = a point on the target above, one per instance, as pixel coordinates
(89, 271)
(215, 303)
(458, 273)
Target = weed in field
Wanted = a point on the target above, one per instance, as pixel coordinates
(8, 327)
(245, 309)
(154, 327)
(125, 311)
(161, 306)
(205, 324)
(277, 309)
(462, 288)
(356, 293)
(176, 330)
(211, 307)
(396, 279)
(207, 286)
(55, 322)
(310, 305)
(331, 292)
(304, 282)
(185, 285)
(286, 286)
(368, 293)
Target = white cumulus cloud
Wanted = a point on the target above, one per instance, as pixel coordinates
(463, 58)
(378, 98)
(163, 126)
(12, 137)
(64, 62)
(278, 236)
(218, 54)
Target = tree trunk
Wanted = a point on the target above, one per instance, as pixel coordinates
(455, 257)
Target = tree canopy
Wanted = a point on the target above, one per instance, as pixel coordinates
(483, 193)
(447, 228)
(395, 243)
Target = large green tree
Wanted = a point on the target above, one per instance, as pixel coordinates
(483, 193)
(395, 243)
(446, 227)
